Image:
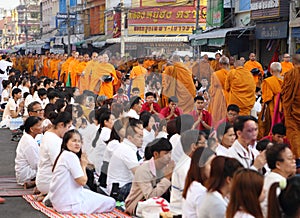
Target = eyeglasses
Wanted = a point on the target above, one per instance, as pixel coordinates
(37, 111)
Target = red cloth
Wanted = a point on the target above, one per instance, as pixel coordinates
(165, 112)
(206, 117)
(146, 107)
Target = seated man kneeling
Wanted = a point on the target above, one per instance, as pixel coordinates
(152, 178)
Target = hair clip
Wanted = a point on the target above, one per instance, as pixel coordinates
(282, 184)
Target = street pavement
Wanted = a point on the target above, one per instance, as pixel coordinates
(14, 207)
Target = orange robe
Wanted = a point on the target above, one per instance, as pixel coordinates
(270, 87)
(91, 76)
(78, 70)
(218, 95)
(286, 66)
(290, 97)
(45, 66)
(137, 75)
(72, 71)
(178, 81)
(106, 88)
(249, 65)
(55, 68)
(241, 88)
(215, 65)
(30, 65)
(202, 70)
(65, 70)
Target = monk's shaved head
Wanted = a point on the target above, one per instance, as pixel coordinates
(176, 58)
(224, 60)
(238, 63)
(296, 59)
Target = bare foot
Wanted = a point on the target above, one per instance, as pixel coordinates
(28, 185)
(40, 198)
(36, 191)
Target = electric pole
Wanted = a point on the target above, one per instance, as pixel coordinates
(26, 27)
(197, 14)
(122, 29)
(69, 27)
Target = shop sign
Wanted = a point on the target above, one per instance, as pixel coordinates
(261, 9)
(162, 30)
(276, 30)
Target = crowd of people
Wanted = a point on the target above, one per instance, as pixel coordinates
(204, 138)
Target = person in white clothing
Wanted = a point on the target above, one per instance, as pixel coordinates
(66, 192)
(106, 120)
(135, 107)
(190, 142)
(246, 195)
(245, 128)
(27, 153)
(117, 135)
(218, 185)
(194, 189)
(5, 93)
(162, 129)
(124, 161)
(148, 132)
(281, 161)
(49, 150)
(226, 137)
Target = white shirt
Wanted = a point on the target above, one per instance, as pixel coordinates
(27, 158)
(88, 135)
(241, 214)
(162, 134)
(246, 158)
(178, 180)
(177, 151)
(133, 114)
(147, 138)
(110, 148)
(222, 150)
(49, 150)
(64, 190)
(10, 106)
(213, 205)
(269, 180)
(124, 159)
(97, 153)
(4, 94)
(194, 199)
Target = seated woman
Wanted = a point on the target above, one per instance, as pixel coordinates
(27, 154)
(66, 193)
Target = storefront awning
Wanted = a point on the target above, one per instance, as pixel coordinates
(216, 37)
(138, 39)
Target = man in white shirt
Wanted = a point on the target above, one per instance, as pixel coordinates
(281, 161)
(135, 107)
(190, 142)
(4, 66)
(124, 162)
(245, 128)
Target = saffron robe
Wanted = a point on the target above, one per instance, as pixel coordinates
(138, 77)
(249, 65)
(286, 66)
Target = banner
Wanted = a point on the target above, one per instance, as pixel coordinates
(215, 13)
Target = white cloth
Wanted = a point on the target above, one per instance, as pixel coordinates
(213, 205)
(269, 180)
(241, 214)
(110, 148)
(162, 134)
(97, 153)
(88, 135)
(67, 196)
(124, 159)
(246, 158)
(27, 158)
(10, 106)
(133, 114)
(178, 180)
(222, 150)
(177, 151)
(147, 138)
(4, 94)
(194, 199)
(49, 150)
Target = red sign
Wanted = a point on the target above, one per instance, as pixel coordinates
(117, 25)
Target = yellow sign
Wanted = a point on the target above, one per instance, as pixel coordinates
(153, 3)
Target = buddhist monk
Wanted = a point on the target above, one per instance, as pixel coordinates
(90, 76)
(202, 69)
(218, 94)
(83, 60)
(241, 87)
(72, 69)
(251, 64)
(65, 69)
(286, 64)
(45, 65)
(54, 66)
(138, 76)
(177, 81)
(30, 63)
(215, 63)
(231, 62)
(270, 88)
(291, 106)
(107, 69)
